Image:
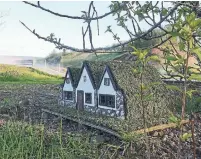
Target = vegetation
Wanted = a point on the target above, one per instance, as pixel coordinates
(21, 140)
(183, 24)
(10, 73)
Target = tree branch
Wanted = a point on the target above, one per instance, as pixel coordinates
(122, 44)
(68, 16)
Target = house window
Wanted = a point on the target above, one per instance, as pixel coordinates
(107, 100)
(88, 98)
(68, 95)
(85, 78)
(106, 81)
(67, 80)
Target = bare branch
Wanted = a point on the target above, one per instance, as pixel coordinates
(122, 44)
(68, 16)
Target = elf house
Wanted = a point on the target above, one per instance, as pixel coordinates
(111, 88)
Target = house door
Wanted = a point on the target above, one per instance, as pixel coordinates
(80, 100)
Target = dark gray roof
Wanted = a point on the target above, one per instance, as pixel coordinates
(75, 72)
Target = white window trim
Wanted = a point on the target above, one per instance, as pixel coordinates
(68, 100)
(105, 107)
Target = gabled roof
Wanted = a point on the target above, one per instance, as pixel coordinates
(96, 69)
(73, 75)
(89, 72)
(75, 72)
(121, 73)
(114, 83)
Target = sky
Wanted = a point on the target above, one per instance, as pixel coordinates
(15, 39)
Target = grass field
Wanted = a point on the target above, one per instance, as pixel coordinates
(18, 74)
(75, 59)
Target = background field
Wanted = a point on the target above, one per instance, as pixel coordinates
(11, 73)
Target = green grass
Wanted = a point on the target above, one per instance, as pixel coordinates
(75, 59)
(17, 74)
(22, 141)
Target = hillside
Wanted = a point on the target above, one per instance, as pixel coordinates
(75, 59)
(11, 73)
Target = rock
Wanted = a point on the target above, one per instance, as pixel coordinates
(165, 138)
(171, 134)
(161, 133)
(98, 139)
(155, 134)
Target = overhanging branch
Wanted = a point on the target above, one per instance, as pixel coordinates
(88, 19)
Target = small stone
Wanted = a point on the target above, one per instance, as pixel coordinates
(155, 134)
(171, 134)
(98, 139)
(165, 138)
(161, 133)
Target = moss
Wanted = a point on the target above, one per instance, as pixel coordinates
(157, 110)
(75, 72)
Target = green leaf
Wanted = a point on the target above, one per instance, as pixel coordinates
(195, 24)
(197, 51)
(195, 77)
(164, 12)
(135, 71)
(174, 34)
(153, 58)
(185, 136)
(173, 87)
(173, 119)
(181, 46)
(171, 58)
(190, 17)
(190, 93)
(140, 17)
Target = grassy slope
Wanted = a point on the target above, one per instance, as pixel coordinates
(75, 59)
(11, 73)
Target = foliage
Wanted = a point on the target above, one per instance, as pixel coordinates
(20, 140)
(9, 73)
(178, 66)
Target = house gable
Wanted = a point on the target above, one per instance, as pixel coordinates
(85, 71)
(107, 87)
(108, 74)
(68, 86)
(86, 84)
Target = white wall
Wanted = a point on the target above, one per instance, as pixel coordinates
(106, 90)
(67, 87)
(87, 87)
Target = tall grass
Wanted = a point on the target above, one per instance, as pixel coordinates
(19, 140)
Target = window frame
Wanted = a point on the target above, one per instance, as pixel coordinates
(107, 80)
(68, 79)
(106, 98)
(88, 102)
(84, 78)
(66, 95)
